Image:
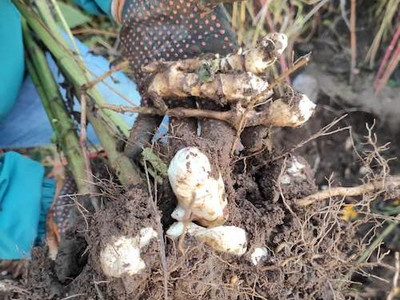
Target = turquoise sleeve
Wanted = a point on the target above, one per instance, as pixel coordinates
(95, 7)
(25, 197)
(11, 56)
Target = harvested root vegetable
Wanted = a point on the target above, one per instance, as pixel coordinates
(293, 114)
(121, 257)
(256, 60)
(259, 255)
(174, 83)
(232, 78)
(228, 239)
(197, 191)
(281, 112)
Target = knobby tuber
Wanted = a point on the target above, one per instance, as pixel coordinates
(228, 239)
(282, 112)
(233, 78)
(121, 257)
(202, 198)
(259, 255)
(237, 81)
(197, 191)
(223, 88)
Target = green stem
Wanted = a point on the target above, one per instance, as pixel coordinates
(72, 68)
(378, 240)
(40, 91)
(52, 101)
(105, 124)
(157, 163)
(65, 26)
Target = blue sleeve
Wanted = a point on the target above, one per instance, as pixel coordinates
(11, 56)
(95, 7)
(23, 198)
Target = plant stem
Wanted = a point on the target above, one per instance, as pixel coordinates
(353, 41)
(71, 67)
(385, 59)
(52, 101)
(107, 124)
(367, 253)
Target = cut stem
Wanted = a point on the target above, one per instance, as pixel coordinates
(107, 124)
(52, 101)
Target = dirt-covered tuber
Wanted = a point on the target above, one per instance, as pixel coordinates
(293, 113)
(228, 239)
(223, 88)
(259, 255)
(121, 257)
(256, 60)
(233, 78)
(197, 191)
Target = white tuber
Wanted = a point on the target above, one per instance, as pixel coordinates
(306, 107)
(257, 60)
(294, 169)
(259, 255)
(196, 190)
(178, 213)
(295, 114)
(280, 40)
(228, 239)
(122, 256)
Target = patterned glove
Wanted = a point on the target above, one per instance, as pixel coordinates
(168, 30)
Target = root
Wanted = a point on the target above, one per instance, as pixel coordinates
(279, 113)
(395, 289)
(374, 186)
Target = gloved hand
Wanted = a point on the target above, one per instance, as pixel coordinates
(168, 30)
(171, 30)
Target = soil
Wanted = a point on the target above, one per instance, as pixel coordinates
(310, 250)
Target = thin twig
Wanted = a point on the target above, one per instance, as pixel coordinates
(395, 289)
(95, 81)
(73, 296)
(279, 186)
(343, 12)
(173, 112)
(377, 241)
(386, 57)
(353, 41)
(394, 61)
(98, 291)
(322, 132)
(65, 26)
(160, 231)
(369, 187)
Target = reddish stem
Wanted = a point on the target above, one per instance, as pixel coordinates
(386, 57)
(394, 61)
(353, 40)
